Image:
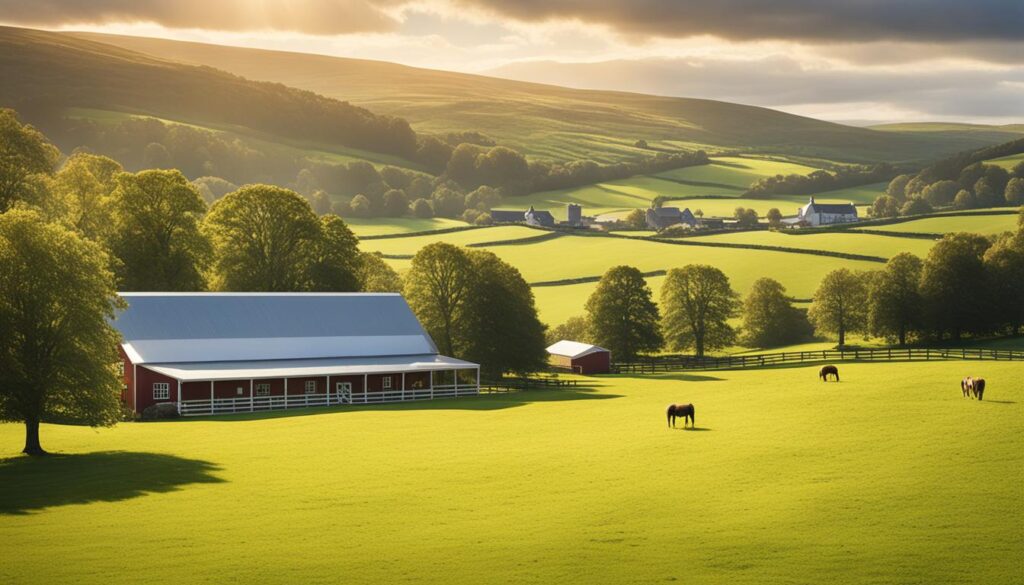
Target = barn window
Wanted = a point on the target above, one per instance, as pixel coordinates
(310, 386)
(262, 389)
(240, 391)
(161, 391)
(387, 382)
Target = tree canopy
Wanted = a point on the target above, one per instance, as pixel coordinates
(57, 297)
(769, 317)
(623, 315)
(698, 301)
(24, 153)
(840, 304)
(895, 306)
(953, 285)
(436, 287)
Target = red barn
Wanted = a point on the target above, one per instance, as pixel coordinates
(213, 353)
(582, 358)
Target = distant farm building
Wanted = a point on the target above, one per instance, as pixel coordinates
(815, 214)
(659, 218)
(530, 217)
(211, 353)
(582, 358)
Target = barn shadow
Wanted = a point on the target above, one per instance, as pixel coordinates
(683, 377)
(31, 484)
(482, 402)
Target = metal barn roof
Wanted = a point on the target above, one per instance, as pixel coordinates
(188, 372)
(217, 327)
(573, 349)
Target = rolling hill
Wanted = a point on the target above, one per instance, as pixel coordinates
(559, 123)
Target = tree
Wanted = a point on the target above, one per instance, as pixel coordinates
(436, 287)
(421, 208)
(57, 300)
(335, 266)
(500, 329)
(396, 204)
(897, 187)
(636, 219)
(769, 317)
(745, 217)
(940, 193)
(894, 298)
(24, 152)
(156, 156)
(840, 304)
(574, 329)
(1004, 264)
(965, 200)
(448, 202)
(915, 206)
(641, 144)
(155, 232)
(774, 217)
(264, 239)
(623, 317)
(361, 207)
(1014, 194)
(953, 285)
(83, 189)
(321, 202)
(698, 302)
(885, 206)
(987, 195)
(375, 275)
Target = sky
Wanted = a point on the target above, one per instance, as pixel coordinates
(859, 61)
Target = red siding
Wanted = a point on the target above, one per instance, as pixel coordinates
(594, 363)
(144, 393)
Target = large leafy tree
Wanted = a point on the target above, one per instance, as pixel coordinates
(895, 306)
(155, 233)
(57, 298)
(840, 304)
(24, 154)
(1004, 263)
(575, 328)
(436, 287)
(698, 301)
(953, 284)
(336, 262)
(623, 316)
(375, 275)
(264, 239)
(500, 329)
(82, 191)
(769, 317)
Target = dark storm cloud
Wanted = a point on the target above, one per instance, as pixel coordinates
(306, 16)
(796, 20)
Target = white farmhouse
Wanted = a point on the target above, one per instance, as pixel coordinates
(815, 214)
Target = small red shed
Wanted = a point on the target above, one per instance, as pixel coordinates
(582, 358)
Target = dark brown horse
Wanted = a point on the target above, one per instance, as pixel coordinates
(827, 371)
(979, 387)
(684, 411)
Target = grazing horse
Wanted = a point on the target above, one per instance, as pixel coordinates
(978, 387)
(967, 386)
(826, 371)
(684, 411)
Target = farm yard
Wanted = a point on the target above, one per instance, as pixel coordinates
(785, 479)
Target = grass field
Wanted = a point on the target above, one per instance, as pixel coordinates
(1007, 162)
(399, 225)
(847, 243)
(980, 224)
(785, 480)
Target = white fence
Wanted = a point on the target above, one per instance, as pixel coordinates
(208, 406)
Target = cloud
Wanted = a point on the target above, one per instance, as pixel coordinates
(782, 82)
(794, 20)
(318, 17)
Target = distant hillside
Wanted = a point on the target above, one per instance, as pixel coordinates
(44, 71)
(560, 123)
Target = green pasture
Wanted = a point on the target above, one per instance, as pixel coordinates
(1007, 162)
(845, 242)
(380, 226)
(736, 172)
(979, 224)
(784, 480)
(412, 244)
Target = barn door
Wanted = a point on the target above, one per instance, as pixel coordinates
(344, 392)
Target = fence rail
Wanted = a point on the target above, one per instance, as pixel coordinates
(678, 363)
(516, 384)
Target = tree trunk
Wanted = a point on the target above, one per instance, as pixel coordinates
(903, 336)
(32, 446)
(842, 337)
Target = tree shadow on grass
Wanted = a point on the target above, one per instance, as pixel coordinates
(1001, 401)
(30, 484)
(683, 377)
(691, 429)
(483, 402)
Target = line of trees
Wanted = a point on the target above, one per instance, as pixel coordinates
(821, 180)
(967, 285)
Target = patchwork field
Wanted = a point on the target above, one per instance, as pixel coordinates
(979, 224)
(844, 242)
(1007, 162)
(785, 480)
